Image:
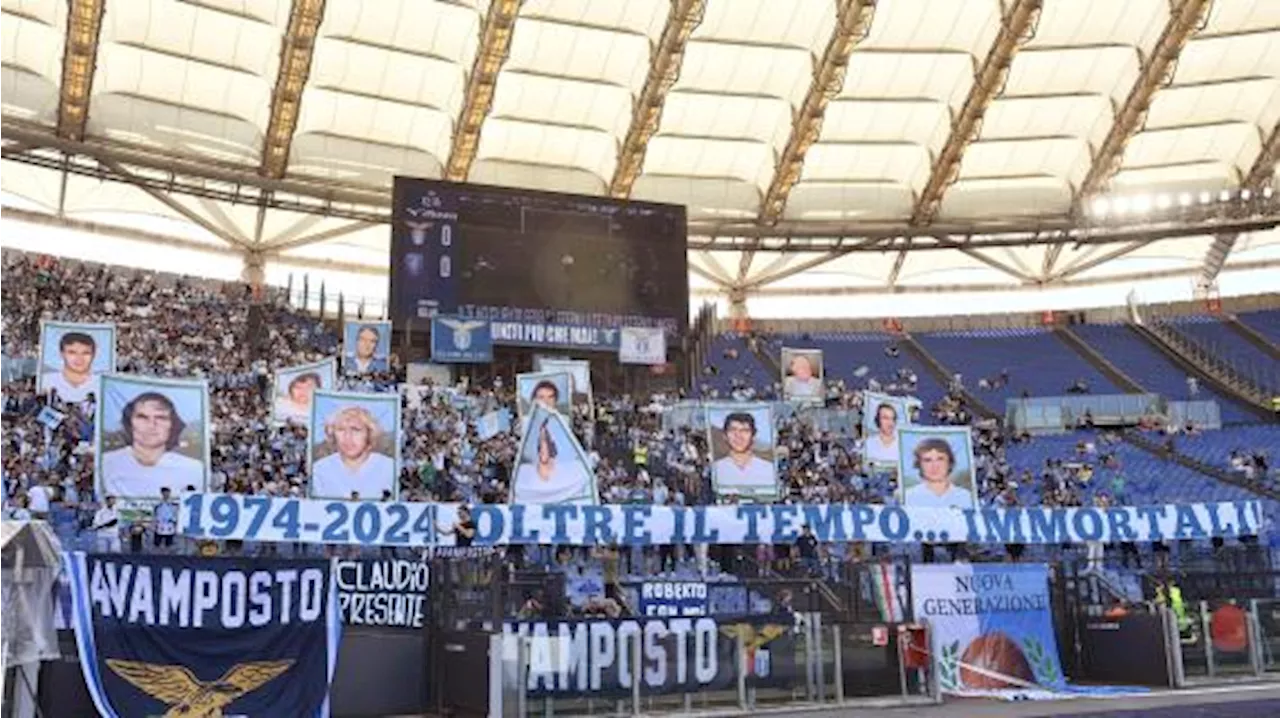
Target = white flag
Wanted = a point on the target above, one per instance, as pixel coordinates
(642, 345)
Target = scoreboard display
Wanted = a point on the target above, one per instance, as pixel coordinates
(509, 254)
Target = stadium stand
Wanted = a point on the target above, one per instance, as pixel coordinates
(1152, 369)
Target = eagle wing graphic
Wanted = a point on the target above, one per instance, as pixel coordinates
(167, 684)
(468, 326)
(249, 676)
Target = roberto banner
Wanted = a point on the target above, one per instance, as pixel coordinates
(673, 598)
(677, 655)
(179, 635)
(991, 625)
(371, 523)
(383, 592)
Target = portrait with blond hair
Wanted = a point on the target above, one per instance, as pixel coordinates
(354, 445)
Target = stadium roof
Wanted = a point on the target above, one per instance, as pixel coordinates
(837, 146)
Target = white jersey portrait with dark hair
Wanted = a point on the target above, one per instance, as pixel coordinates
(550, 389)
(151, 434)
(742, 450)
(354, 445)
(366, 346)
(552, 467)
(73, 357)
(936, 469)
(882, 415)
(294, 387)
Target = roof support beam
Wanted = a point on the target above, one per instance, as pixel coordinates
(289, 243)
(192, 216)
(1260, 175)
(804, 266)
(79, 62)
(987, 260)
(1185, 18)
(664, 67)
(898, 261)
(719, 282)
(1101, 259)
(853, 20)
(296, 50)
(495, 43)
(1017, 25)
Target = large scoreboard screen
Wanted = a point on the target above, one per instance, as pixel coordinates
(509, 254)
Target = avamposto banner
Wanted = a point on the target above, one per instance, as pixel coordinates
(992, 627)
(383, 592)
(187, 636)
(677, 655)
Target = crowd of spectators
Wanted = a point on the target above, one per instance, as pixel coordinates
(175, 327)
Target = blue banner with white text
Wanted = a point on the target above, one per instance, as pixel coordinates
(371, 523)
(178, 635)
(455, 340)
(673, 598)
(562, 336)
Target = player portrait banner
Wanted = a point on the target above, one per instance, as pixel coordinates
(552, 467)
(353, 447)
(991, 626)
(73, 358)
(936, 468)
(677, 599)
(372, 523)
(579, 371)
(882, 414)
(295, 385)
(366, 347)
(677, 655)
(455, 340)
(151, 434)
(182, 635)
(802, 373)
(742, 452)
(383, 592)
(550, 389)
(642, 345)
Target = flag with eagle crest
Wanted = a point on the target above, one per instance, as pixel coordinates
(189, 636)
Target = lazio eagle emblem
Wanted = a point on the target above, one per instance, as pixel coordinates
(190, 697)
(462, 331)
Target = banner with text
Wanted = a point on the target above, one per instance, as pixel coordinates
(383, 592)
(677, 655)
(992, 630)
(181, 635)
(680, 599)
(565, 336)
(370, 523)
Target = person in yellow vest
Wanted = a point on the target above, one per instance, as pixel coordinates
(641, 455)
(1168, 594)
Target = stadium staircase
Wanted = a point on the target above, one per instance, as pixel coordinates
(944, 374)
(1155, 448)
(1097, 361)
(767, 358)
(1199, 362)
(1252, 336)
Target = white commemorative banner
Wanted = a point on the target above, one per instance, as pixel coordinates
(370, 523)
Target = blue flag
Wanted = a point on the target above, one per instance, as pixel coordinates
(178, 635)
